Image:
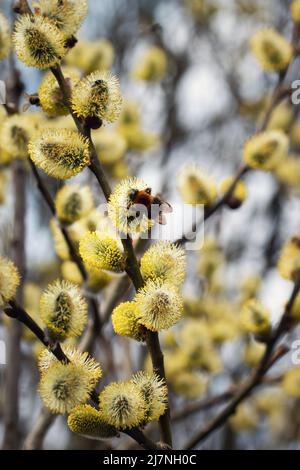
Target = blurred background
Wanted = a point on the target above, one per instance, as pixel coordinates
(199, 102)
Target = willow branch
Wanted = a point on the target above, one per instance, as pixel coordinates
(216, 400)
(13, 310)
(279, 93)
(132, 266)
(250, 384)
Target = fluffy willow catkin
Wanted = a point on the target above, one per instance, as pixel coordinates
(122, 209)
(73, 202)
(122, 405)
(38, 42)
(289, 260)
(164, 261)
(50, 94)
(255, 317)
(5, 37)
(195, 187)
(125, 320)
(86, 421)
(102, 250)
(64, 386)
(61, 153)
(155, 393)
(271, 49)
(67, 15)
(63, 310)
(9, 280)
(97, 96)
(15, 133)
(266, 150)
(160, 305)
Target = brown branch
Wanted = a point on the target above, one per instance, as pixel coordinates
(13, 370)
(254, 380)
(13, 310)
(132, 266)
(206, 404)
(280, 92)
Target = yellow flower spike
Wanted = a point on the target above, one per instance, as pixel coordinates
(289, 261)
(91, 56)
(211, 258)
(63, 310)
(272, 51)
(15, 133)
(190, 385)
(5, 38)
(119, 170)
(122, 405)
(93, 222)
(98, 279)
(164, 261)
(101, 250)
(160, 305)
(61, 153)
(250, 287)
(245, 418)
(153, 66)
(38, 42)
(195, 187)
(295, 10)
(86, 421)
(67, 15)
(269, 400)
(264, 151)
(291, 382)
(122, 210)
(253, 353)
(9, 280)
(137, 139)
(70, 272)
(60, 245)
(110, 146)
(64, 386)
(223, 330)
(239, 194)
(281, 117)
(288, 172)
(73, 202)
(97, 96)
(255, 318)
(155, 393)
(50, 95)
(130, 115)
(125, 320)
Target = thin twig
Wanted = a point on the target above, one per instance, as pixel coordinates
(132, 266)
(254, 380)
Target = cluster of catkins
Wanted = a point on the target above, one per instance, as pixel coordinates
(44, 39)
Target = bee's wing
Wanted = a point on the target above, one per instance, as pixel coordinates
(25, 107)
(166, 207)
(162, 219)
